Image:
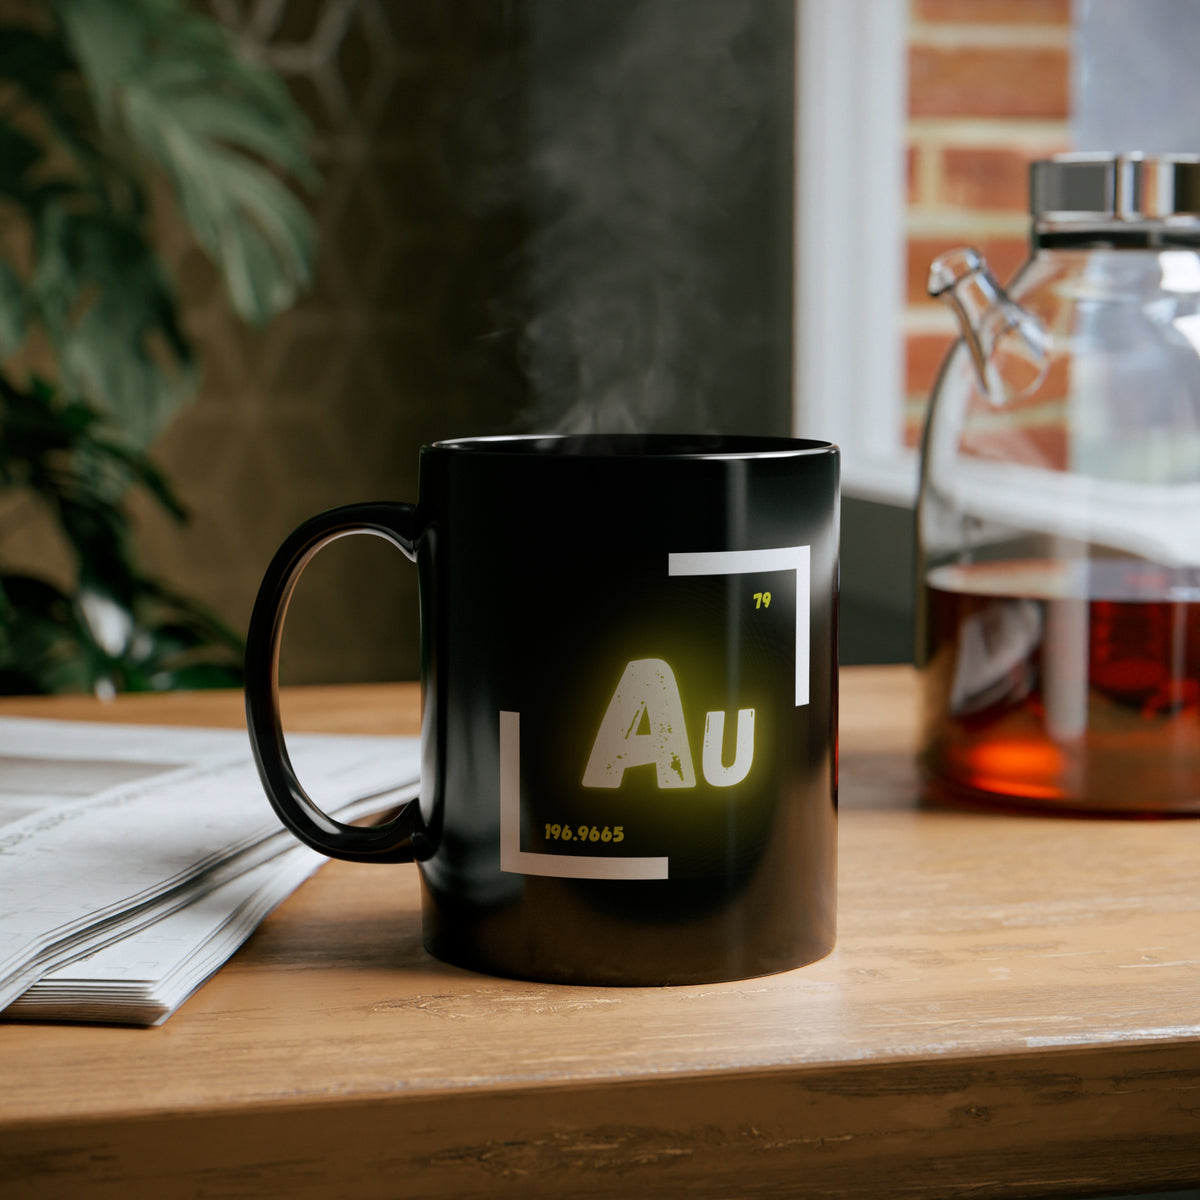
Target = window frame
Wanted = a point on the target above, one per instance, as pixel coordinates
(850, 172)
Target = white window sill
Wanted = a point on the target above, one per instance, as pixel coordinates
(891, 480)
(851, 95)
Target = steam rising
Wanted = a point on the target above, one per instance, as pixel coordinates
(657, 267)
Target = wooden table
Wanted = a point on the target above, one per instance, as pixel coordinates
(1013, 1009)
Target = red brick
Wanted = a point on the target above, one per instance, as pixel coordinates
(1004, 256)
(923, 357)
(994, 12)
(925, 353)
(985, 177)
(977, 81)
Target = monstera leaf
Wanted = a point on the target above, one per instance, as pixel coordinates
(101, 98)
(169, 82)
(104, 297)
(114, 92)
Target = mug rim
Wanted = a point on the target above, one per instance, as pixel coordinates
(635, 446)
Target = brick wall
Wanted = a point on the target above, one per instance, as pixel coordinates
(989, 91)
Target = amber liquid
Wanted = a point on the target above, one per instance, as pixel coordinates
(1070, 686)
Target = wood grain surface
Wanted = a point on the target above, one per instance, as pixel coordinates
(1013, 1009)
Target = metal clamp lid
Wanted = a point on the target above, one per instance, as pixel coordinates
(1106, 188)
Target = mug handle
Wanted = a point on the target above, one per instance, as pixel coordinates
(392, 841)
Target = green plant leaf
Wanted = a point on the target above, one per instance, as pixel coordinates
(197, 618)
(111, 315)
(192, 676)
(117, 629)
(94, 102)
(61, 452)
(31, 59)
(106, 39)
(48, 104)
(142, 471)
(13, 314)
(54, 642)
(18, 155)
(43, 648)
(256, 231)
(219, 127)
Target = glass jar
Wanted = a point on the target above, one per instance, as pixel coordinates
(1058, 561)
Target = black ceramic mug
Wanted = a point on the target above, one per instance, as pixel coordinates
(629, 730)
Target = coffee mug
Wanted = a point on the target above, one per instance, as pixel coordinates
(629, 704)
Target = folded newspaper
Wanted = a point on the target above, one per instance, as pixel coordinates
(134, 860)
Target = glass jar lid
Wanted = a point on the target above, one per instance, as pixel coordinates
(1115, 189)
